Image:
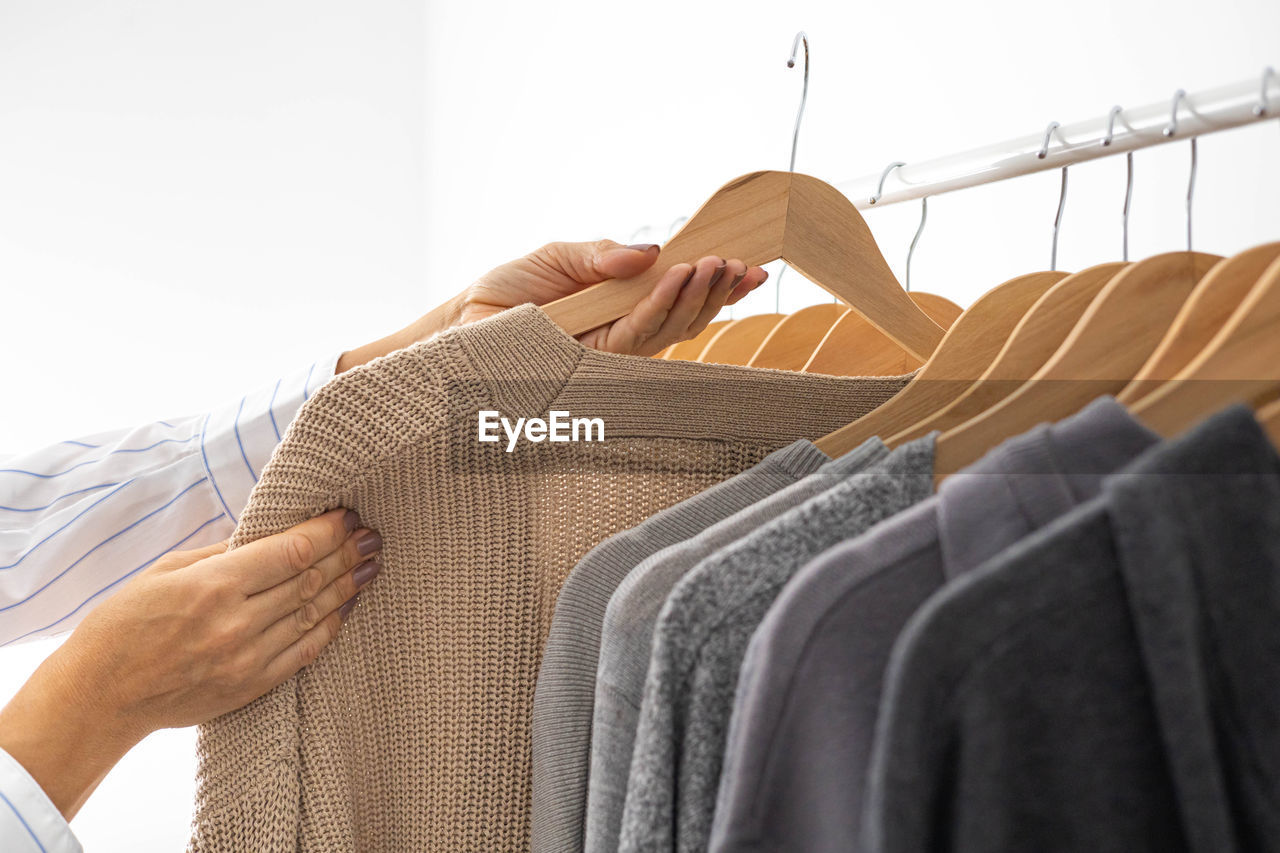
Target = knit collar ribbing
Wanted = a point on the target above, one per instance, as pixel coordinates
(526, 365)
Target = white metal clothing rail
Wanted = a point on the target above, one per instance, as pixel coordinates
(1226, 107)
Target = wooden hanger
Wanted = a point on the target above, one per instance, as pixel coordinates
(761, 217)
(1037, 335)
(791, 342)
(965, 352)
(738, 341)
(1208, 308)
(940, 309)
(1112, 340)
(854, 347)
(690, 349)
(1240, 364)
(1269, 417)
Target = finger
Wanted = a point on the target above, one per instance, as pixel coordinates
(627, 333)
(626, 261)
(597, 260)
(274, 559)
(273, 604)
(302, 652)
(182, 559)
(693, 296)
(295, 625)
(735, 271)
(755, 277)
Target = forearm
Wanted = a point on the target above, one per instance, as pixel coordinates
(442, 317)
(63, 735)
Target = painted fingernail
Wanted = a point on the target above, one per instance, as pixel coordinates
(689, 277)
(365, 572)
(766, 277)
(345, 609)
(368, 543)
(718, 274)
(737, 280)
(350, 520)
(643, 247)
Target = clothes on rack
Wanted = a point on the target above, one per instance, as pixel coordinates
(702, 634)
(412, 731)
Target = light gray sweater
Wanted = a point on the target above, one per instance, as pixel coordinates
(628, 631)
(565, 693)
(702, 635)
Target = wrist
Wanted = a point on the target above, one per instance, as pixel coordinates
(444, 316)
(65, 732)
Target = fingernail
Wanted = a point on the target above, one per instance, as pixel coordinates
(365, 572)
(718, 274)
(737, 280)
(350, 520)
(766, 277)
(643, 247)
(345, 609)
(689, 277)
(368, 543)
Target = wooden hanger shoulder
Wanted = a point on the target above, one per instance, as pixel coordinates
(854, 347)
(1241, 362)
(967, 350)
(690, 350)
(738, 341)
(940, 309)
(1113, 338)
(1038, 334)
(791, 342)
(1208, 308)
(761, 217)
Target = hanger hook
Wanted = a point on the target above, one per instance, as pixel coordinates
(1128, 185)
(924, 214)
(880, 188)
(676, 223)
(801, 38)
(1264, 103)
(1062, 196)
(1170, 130)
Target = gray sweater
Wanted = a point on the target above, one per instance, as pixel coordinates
(628, 632)
(565, 693)
(805, 711)
(1108, 684)
(702, 635)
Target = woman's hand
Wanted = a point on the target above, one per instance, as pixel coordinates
(680, 305)
(196, 634)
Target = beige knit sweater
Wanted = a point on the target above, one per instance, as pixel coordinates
(411, 732)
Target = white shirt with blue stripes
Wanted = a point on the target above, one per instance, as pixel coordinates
(80, 517)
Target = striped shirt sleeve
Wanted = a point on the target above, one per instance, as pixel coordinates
(80, 517)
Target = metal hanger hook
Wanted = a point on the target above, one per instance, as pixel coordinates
(1264, 102)
(880, 188)
(801, 38)
(1062, 196)
(1128, 185)
(924, 214)
(676, 223)
(1171, 129)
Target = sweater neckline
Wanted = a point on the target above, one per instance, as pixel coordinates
(528, 364)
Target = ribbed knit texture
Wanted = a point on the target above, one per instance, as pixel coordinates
(565, 694)
(412, 730)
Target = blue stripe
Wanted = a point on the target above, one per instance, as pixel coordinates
(82, 444)
(166, 423)
(23, 821)
(307, 382)
(271, 409)
(119, 532)
(236, 426)
(123, 577)
(99, 459)
(68, 524)
(58, 498)
(213, 480)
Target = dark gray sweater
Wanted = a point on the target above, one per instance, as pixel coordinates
(1108, 684)
(805, 711)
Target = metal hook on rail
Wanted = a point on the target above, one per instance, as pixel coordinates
(1170, 130)
(1264, 103)
(1128, 185)
(1062, 196)
(924, 215)
(801, 39)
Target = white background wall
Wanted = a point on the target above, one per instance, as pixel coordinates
(194, 197)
